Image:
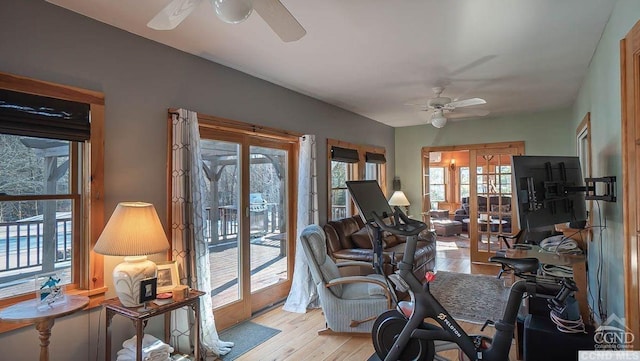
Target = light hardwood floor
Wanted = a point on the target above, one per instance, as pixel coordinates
(298, 339)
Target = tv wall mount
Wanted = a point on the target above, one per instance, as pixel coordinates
(558, 191)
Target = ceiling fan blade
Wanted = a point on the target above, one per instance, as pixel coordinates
(420, 106)
(466, 103)
(469, 113)
(279, 19)
(173, 14)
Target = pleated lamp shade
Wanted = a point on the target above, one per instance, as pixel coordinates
(134, 231)
(398, 198)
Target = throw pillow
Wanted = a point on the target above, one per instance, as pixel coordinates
(505, 208)
(362, 239)
(389, 239)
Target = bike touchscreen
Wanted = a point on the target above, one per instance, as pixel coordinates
(369, 198)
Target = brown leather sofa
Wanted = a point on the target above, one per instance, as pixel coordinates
(349, 240)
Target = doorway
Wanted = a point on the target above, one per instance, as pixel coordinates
(471, 186)
(249, 181)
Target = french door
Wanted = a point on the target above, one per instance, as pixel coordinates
(250, 181)
(479, 174)
(491, 203)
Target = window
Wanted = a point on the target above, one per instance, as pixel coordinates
(51, 161)
(341, 172)
(351, 162)
(583, 142)
(437, 186)
(464, 182)
(503, 175)
(374, 165)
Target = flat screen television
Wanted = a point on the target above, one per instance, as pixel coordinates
(369, 198)
(549, 190)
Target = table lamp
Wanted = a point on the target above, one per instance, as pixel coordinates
(134, 231)
(398, 198)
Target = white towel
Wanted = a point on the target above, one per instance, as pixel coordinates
(128, 355)
(148, 341)
(152, 349)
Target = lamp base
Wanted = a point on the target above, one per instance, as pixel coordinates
(127, 276)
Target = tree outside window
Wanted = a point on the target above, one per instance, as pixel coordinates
(339, 193)
(437, 186)
(464, 182)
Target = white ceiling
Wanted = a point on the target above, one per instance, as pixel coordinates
(372, 56)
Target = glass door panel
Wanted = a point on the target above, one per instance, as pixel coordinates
(268, 216)
(491, 201)
(223, 226)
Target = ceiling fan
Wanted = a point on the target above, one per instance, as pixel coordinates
(443, 108)
(272, 12)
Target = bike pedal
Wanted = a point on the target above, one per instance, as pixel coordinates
(487, 323)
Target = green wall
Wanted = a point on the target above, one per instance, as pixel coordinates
(544, 133)
(600, 95)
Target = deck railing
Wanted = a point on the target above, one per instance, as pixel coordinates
(21, 244)
(338, 212)
(263, 221)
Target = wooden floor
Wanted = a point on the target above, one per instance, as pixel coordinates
(298, 339)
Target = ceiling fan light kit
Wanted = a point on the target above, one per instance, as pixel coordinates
(233, 11)
(438, 120)
(442, 108)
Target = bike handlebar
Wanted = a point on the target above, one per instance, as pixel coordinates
(408, 227)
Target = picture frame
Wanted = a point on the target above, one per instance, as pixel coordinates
(148, 289)
(168, 277)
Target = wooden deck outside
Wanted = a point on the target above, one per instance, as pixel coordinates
(268, 266)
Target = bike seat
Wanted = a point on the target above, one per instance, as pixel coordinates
(520, 265)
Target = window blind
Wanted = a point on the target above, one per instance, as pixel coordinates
(375, 158)
(345, 155)
(44, 117)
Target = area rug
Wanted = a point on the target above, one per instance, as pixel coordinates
(453, 241)
(471, 298)
(245, 336)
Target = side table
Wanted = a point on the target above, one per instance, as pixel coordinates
(27, 311)
(140, 316)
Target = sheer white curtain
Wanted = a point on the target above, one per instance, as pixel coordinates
(303, 293)
(187, 231)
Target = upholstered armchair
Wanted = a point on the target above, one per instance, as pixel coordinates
(349, 304)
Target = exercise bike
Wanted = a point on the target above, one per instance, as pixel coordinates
(402, 334)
